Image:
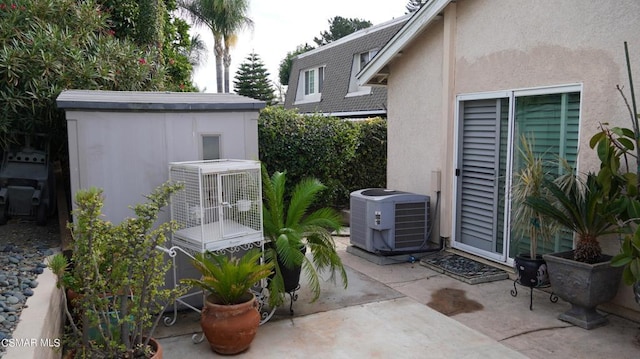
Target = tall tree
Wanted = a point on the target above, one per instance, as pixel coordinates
(252, 80)
(414, 5)
(154, 23)
(233, 20)
(340, 27)
(224, 18)
(284, 70)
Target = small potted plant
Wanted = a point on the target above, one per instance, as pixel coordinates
(230, 317)
(120, 276)
(527, 223)
(291, 228)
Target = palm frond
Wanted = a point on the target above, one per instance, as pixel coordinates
(304, 194)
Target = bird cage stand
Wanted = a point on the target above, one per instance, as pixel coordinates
(219, 210)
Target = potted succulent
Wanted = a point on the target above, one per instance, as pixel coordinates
(230, 317)
(583, 276)
(290, 228)
(527, 223)
(120, 276)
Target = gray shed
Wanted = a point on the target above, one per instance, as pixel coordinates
(123, 141)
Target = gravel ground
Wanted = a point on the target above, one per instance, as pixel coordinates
(23, 248)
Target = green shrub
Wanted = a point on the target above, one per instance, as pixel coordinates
(51, 46)
(343, 155)
(368, 167)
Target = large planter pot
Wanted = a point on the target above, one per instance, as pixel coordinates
(230, 329)
(532, 272)
(584, 286)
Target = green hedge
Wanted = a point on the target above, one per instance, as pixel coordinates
(344, 155)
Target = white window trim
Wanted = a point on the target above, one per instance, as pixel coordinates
(354, 88)
(316, 96)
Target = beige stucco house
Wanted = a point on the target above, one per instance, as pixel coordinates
(467, 77)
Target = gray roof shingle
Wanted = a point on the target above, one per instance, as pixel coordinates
(338, 57)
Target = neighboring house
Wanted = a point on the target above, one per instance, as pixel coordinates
(465, 78)
(323, 80)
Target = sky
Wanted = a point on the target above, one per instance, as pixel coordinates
(279, 26)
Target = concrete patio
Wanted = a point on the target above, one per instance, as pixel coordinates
(387, 312)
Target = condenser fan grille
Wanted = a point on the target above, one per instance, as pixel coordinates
(411, 227)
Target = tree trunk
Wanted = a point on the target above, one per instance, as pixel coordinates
(227, 64)
(218, 52)
(587, 249)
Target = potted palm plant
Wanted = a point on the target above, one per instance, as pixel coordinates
(230, 317)
(583, 276)
(290, 228)
(527, 223)
(120, 276)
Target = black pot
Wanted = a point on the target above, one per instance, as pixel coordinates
(290, 276)
(531, 272)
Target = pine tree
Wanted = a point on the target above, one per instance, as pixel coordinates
(251, 80)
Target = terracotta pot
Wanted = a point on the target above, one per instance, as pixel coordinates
(155, 345)
(230, 329)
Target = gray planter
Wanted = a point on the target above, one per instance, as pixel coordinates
(584, 286)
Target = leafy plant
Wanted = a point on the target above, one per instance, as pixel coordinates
(119, 274)
(344, 155)
(528, 182)
(229, 279)
(583, 206)
(618, 149)
(291, 226)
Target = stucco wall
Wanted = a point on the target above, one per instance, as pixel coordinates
(415, 123)
(506, 45)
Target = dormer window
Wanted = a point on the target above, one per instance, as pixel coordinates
(310, 84)
(359, 62)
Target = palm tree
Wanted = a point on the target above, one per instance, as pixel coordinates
(197, 51)
(290, 229)
(224, 18)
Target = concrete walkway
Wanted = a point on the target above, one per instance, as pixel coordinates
(388, 312)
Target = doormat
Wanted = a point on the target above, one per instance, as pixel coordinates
(463, 268)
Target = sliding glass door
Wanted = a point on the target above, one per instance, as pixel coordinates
(489, 128)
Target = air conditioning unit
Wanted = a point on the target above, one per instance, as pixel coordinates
(385, 221)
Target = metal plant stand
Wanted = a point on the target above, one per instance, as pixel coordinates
(293, 296)
(514, 292)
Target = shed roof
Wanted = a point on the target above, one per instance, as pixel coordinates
(155, 101)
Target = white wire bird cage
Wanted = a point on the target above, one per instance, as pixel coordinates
(220, 206)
